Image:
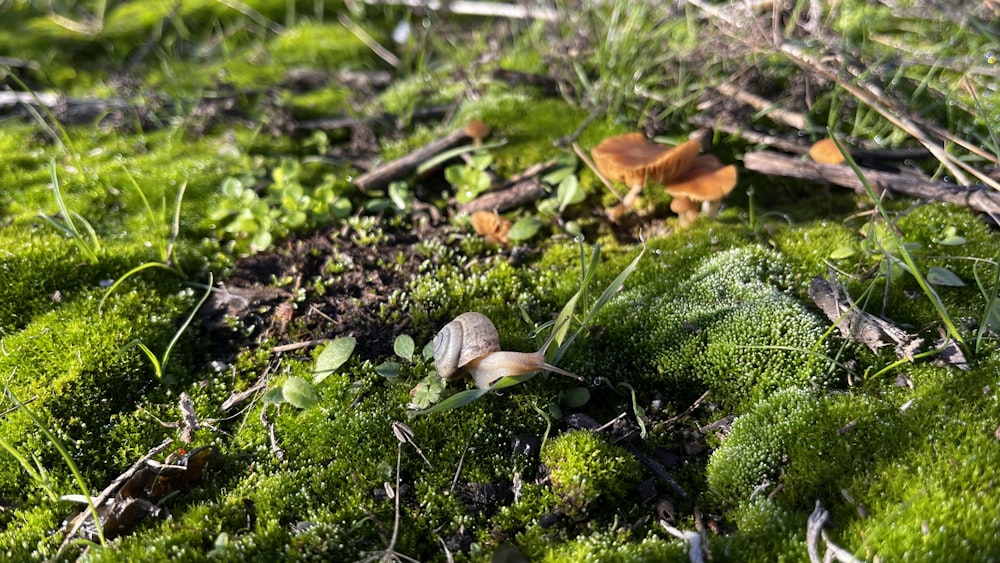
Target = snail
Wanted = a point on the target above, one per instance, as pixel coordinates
(471, 343)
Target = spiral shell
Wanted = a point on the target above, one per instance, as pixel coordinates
(468, 337)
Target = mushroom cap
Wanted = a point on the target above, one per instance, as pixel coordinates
(826, 152)
(477, 129)
(706, 180)
(491, 226)
(631, 158)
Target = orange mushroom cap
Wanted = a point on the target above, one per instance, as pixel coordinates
(633, 159)
(478, 130)
(491, 226)
(826, 152)
(706, 180)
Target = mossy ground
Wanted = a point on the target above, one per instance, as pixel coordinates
(904, 456)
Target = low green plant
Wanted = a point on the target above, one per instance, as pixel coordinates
(899, 253)
(38, 473)
(160, 364)
(300, 393)
(287, 205)
(471, 178)
(166, 244)
(84, 235)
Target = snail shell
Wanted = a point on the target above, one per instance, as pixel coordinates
(468, 337)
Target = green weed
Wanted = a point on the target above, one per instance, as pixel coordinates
(84, 235)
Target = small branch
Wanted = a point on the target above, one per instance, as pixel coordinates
(298, 345)
(978, 197)
(279, 453)
(693, 539)
(114, 486)
(750, 135)
(814, 532)
(858, 325)
(476, 8)
(406, 165)
(517, 191)
(790, 118)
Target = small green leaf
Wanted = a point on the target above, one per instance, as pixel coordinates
(404, 347)
(993, 315)
(455, 401)
(573, 229)
(332, 357)
(388, 370)
(273, 396)
(299, 393)
(569, 192)
(952, 241)
(341, 208)
(401, 195)
(950, 237)
(427, 392)
(843, 252)
(574, 397)
(525, 228)
(943, 276)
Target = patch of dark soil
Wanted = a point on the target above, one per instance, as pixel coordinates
(324, 285)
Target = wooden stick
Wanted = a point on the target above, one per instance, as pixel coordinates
(517, 191)
(790, 118)
(406, 165)
(477, 8)
(978, 197)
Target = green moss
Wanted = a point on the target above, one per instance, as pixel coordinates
(583, 467)
(722, 321)
(803, 443)
(613, 547)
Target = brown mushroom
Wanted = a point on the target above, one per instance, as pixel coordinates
(633, 159)
(707, 181)
(491, 226)
(826, 152)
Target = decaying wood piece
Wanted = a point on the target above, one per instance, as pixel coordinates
(978, 197)
(405, 166)
(858, 325)
(521, 189)
(74, 527)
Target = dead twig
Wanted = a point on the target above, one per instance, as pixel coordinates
(114, 486)
(272, 436)
(792, 119)
(750, 135)
(693, 539)
(521, 189)
(872, 96)
(976, 197)
(858, 325)
(814, 532)
(406, 165)
(477, 8)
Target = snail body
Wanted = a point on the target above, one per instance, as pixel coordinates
(470, 343)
